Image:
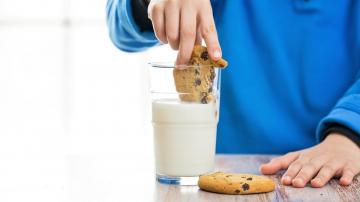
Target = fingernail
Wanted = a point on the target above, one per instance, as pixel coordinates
(317, 180)
(217, 54)
(287, 179)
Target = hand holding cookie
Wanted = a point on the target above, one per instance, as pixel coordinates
(183, 23)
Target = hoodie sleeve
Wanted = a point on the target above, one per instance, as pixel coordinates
(346, 112)
(124, 31)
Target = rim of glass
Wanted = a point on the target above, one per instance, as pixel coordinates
(172, 93)
(172, 65)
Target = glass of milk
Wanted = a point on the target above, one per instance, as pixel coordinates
(184, 132)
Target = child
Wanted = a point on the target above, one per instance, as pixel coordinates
(292, 83)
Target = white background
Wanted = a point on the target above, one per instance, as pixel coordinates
(74, 110)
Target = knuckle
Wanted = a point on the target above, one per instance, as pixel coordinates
(328, 169)
(159, 34)
(156, 8)
(275, 160)
(310, 166)
(186, 32)
(172, 36)
(297, 164)
(293, 169)
(161, 38)
(206, 30)
(324, 175)
(290, 172)
(308, 171)
(349, 170)
(169, 3)
(304, 175)
(183, 54)
(174, 46)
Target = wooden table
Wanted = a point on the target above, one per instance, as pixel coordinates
(250, 164)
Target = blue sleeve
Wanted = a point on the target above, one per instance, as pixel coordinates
(123, 31)
(347, 110)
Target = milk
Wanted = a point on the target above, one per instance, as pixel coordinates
(184, 136)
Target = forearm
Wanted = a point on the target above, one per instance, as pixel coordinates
(123, 29)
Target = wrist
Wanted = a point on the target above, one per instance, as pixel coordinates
(338, 138)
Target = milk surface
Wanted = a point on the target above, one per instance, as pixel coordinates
(184, 136)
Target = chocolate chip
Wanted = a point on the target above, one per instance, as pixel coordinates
(204, 100)
(243, 177)
(197, 72)
(237, 191)
(204, 55)
(197, 82)
(210, 90)
(250, 178)
(228, 176)
(245, 186)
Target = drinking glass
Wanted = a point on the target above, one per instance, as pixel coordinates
(184, 128)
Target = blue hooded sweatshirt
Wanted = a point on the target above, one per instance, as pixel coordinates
(293, 69)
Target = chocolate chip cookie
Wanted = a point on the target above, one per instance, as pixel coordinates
(195, 82)
(234, 183)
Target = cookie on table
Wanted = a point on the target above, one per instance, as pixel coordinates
(233, 183)
(196, 81)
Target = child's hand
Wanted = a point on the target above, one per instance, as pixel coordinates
(182, 23)
(335, 156)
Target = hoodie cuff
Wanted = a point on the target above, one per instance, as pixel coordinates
(139, 10)
(345, 114)
(341, 130)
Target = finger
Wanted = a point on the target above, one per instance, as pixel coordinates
(208, 32)
(187, 34)
(278, 163)
(198, 39)
(158, 19)
(348, 175)
(293, 170)
(172, 18)
(326, 172)
(307, 172)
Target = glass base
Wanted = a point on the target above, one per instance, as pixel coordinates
(177, 180)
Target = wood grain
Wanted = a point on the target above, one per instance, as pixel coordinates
(250, 164)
